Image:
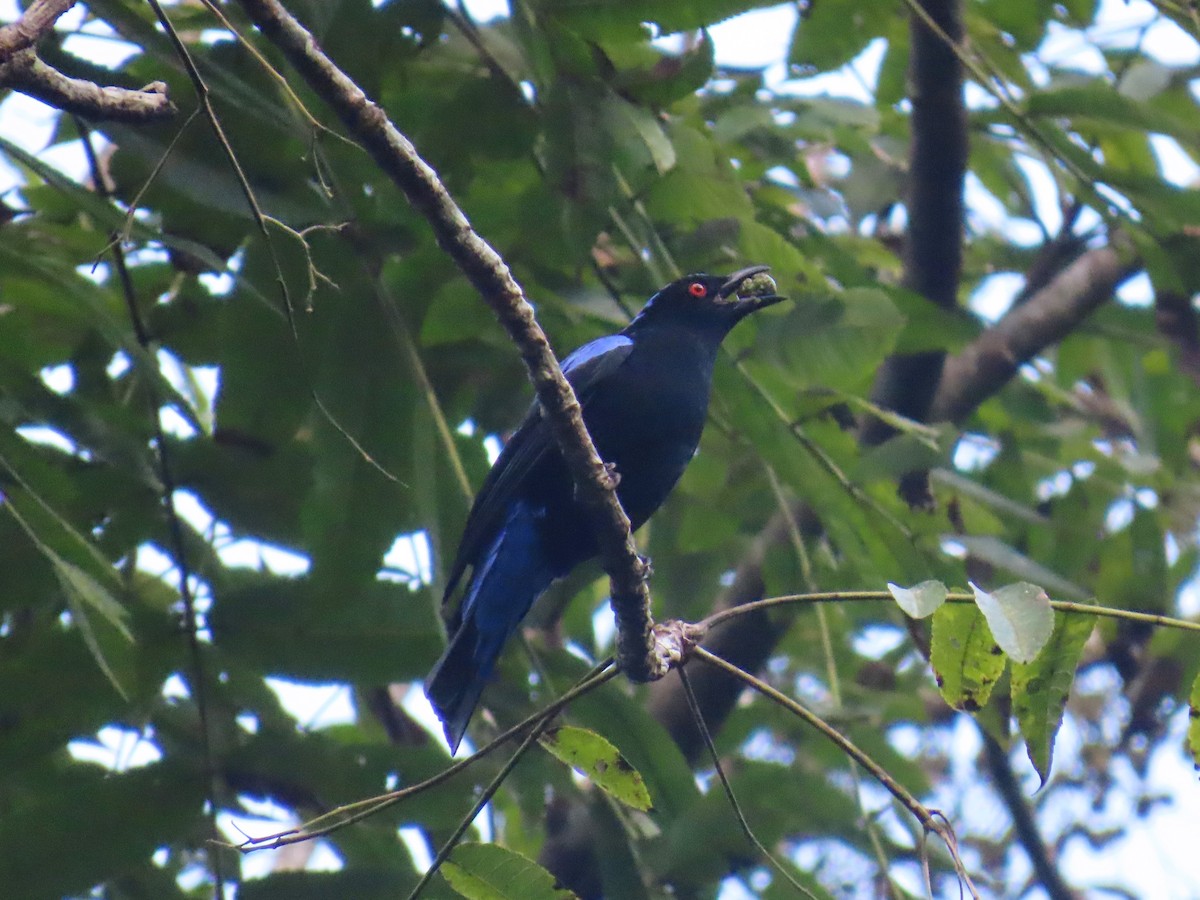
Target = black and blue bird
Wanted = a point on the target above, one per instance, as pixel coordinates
(644, 394)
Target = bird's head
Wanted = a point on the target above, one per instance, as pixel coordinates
(711, 301)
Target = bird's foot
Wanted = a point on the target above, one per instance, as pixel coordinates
(674, 641)
(614, 477)
(647, 567)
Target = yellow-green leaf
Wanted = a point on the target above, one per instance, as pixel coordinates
(491, 872)
(1193, 735)
(966, 659)
(600, 761)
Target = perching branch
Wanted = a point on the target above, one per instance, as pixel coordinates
(26, 73)
(22, 70)
(490, 276)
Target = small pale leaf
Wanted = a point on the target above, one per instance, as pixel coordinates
(596, 758)
(491, 872)
(920, 600)
(1039, 689)
(1020, 617)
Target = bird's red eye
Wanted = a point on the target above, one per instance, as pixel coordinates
(696, 289)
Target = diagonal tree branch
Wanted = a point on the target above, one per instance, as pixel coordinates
(1024, 824)
(26, 73)
(487, 272)
(989, 362)
(22, 70)
(33, 25)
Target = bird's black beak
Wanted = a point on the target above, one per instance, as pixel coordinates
(743, 302)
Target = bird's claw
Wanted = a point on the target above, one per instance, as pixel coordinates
(674, 641)
(647, 567)
(614, 477)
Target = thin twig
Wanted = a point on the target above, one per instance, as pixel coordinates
(848, 596)
(698, 717)
(176, 545)
(350, 813)
(931, 820)
(484, 798)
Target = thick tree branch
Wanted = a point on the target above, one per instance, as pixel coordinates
(987, 364)
(22, 70)
(1177, 321)
(487, 272)
(26, 73)
(937, 161)
(35, 23)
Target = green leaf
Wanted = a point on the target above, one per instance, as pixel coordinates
(491, 872)
(834, 342)
(1193, 734)
(1020, 617)
(1101, 106)
(289, 627)
(622, 18)
(84, 592)
(921, 600)
(593, 756)
(833, 32)
(1039, 688)
(967, 661)
(362, 883)
(82, 825)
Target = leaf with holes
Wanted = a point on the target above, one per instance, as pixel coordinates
(490, 872)
(1193, 735)
(600, 761)
(1040, 688)
(966, 659)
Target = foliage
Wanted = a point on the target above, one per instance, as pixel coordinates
(328, 384)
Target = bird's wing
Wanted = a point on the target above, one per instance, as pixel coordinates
(585, 368)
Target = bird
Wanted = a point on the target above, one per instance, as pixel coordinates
(644, 396)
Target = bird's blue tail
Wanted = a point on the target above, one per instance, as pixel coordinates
(504, 584)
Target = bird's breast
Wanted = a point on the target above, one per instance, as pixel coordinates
(647, 422)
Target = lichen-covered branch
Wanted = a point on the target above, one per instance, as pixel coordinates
(26, 73)
(35, 23)
(490, 276)
(22, 70)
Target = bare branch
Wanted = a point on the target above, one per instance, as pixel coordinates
(987, 364)
(26, 73)
(490, 276)
(1025, 825)
(35, 23)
